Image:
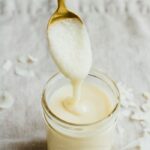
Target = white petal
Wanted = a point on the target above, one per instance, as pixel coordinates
(131, 145)
(137, 116)
(146, 95)
(143, 143)
(7, 65)
(125, 93)
(24, 72)
(146, 130)
(143, 124)
(145, 107)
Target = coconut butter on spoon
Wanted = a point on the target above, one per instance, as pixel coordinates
(70, 49)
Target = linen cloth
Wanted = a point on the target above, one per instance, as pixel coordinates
(120, 35)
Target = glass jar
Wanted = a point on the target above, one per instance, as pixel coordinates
(63, 135)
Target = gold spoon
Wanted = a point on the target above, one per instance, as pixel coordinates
(62, 13)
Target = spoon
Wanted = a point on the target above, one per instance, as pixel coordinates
(62, 13)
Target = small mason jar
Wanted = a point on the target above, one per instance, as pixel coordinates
(63, 135)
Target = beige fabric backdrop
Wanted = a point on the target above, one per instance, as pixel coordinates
(120, 36)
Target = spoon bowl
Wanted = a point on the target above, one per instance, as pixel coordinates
(62, 13)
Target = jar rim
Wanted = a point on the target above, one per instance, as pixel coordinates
(50, 114)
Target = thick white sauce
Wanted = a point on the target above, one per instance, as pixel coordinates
(71, 50)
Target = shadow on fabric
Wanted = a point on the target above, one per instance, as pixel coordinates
(27, 145)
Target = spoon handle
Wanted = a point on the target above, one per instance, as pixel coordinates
(61, 6)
